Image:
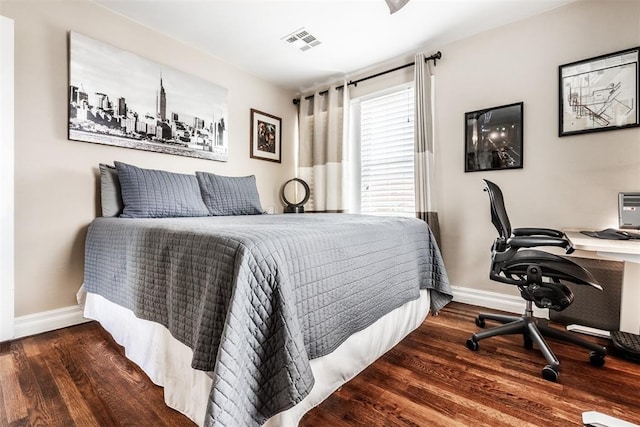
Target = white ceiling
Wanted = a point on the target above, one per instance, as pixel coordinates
(355, 35)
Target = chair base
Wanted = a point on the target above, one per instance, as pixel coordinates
(533, 330)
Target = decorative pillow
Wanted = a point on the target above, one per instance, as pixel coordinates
(227, 195)
(149, 193)
(110, 195)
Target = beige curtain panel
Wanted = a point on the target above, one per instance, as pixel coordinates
(426, 200)
(322, 159)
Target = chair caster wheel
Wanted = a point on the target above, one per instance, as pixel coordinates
(480, 323)
(550, 374)
(596, 359)
(472, 345)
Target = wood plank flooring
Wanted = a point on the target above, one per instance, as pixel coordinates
(79, 376)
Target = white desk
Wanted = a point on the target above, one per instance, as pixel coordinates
(627, 251)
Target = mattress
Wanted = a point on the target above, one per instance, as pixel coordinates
(167, 361)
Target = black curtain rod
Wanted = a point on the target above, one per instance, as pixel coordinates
(434, 58)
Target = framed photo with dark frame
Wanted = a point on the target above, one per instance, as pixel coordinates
(600, 93)
(266, 132)
(493, 138)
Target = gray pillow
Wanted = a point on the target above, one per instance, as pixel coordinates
(149, 193)
(227, 195)
(110, 195)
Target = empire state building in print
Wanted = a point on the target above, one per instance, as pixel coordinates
(161, 101)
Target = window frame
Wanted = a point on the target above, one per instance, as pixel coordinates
(355, 154)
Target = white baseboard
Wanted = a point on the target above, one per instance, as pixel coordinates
(494, 300)
(46, 321)
(487, 299)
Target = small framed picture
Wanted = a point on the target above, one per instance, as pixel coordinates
(600, 93)
(493, 138)
(265, 136)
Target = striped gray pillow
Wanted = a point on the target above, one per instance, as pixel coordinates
(229, 195)
(149, 193)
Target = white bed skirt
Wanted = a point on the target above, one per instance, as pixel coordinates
(167, 361)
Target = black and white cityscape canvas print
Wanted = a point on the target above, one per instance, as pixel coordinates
(119, 98)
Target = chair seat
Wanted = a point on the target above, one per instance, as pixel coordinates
(553, 266)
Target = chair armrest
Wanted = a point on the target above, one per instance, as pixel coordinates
(537, 232)
(535, 241)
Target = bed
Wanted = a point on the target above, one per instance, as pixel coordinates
(252, 319)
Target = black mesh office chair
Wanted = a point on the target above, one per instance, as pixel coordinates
(539, 276)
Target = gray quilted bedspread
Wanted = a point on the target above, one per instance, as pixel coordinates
(257, 297)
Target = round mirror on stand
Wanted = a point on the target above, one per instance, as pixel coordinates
(294, 194)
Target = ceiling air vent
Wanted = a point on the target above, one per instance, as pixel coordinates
(301, 39)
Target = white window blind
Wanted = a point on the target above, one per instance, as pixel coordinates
(386, 154)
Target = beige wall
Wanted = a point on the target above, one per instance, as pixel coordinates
(55, 185)
(566, 182)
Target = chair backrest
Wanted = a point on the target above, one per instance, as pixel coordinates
(499, 216)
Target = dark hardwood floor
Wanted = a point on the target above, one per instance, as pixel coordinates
(79, 376)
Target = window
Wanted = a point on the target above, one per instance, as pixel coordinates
(386, 180)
